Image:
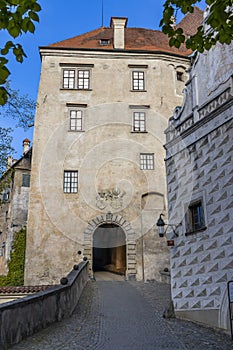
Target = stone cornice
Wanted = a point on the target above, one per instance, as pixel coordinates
(88, 53)
(200, 129)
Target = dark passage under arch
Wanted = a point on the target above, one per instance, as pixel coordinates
(109, 249)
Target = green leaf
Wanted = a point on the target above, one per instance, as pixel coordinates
(177, 43)
(182, 38)
(15, 2)
(36, 7)
(179, 31)
(3, 61)
(13, 29)
(31, 27)
(4, 74)
(172, 42)
(3, 96)
(4, 51)
(24, 24)
(9, 44)
(34, 16)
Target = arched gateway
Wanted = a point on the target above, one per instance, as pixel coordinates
(109, 242)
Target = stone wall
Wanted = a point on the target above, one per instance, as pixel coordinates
(25, 316)
(106, 154)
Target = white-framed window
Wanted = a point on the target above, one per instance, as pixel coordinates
(70, 181)
(76, 120)
(68, 79)
(194, 217)
(147, 161)
(83, 79)
(76, 76)
(138, 80)
(139, 121)
(76, 114)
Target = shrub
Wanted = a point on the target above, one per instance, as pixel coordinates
(15, 276)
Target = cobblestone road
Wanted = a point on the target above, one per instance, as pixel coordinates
(120, 315)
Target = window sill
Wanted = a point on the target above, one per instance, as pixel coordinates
(67, 89)
(138, 90)
(69, 193)
(196, 231)
(139, 132)
(76, 130)
(147, 169)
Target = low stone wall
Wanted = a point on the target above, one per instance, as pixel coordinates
(23, 317)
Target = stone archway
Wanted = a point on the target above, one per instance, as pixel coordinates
(109, 249)
(130, 242)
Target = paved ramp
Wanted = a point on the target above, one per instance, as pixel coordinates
(123, 315)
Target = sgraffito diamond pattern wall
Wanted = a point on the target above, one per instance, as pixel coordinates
(202, 263)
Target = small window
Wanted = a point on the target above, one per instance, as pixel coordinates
(70, 184)
(26, 180)
(68, 79)
(6, 195)
(138, 81)
(76, 120)
(139, 121)
(195, 220)
(180, 76)
(104, 42)
(147, 161)
(84, 79)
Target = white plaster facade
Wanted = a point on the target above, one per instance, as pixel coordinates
(106, 154)
(199, 147)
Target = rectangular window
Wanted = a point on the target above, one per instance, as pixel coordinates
(138, 81)
(76, 120)
(195, 217)
(70, 184)
(25, 180)
(147, 161)
(68, 79)
(139, 121)
(84, 79)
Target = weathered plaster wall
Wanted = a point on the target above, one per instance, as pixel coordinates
(106, 154)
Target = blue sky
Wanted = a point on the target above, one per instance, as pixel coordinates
(61, 20)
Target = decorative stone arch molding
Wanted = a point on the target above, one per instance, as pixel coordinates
(130, 239)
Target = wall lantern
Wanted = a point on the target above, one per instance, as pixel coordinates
(162, 231)
(161, 224)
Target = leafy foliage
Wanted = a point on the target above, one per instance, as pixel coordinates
(15, 276)
(21, 108)
(16, 17)
(5, 147)
(6, 180)
(218, 26)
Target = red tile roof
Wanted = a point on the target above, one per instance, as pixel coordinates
(191, 22)
(136, 39)
(23, 289)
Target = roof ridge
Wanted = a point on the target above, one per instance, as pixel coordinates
(136, 38)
